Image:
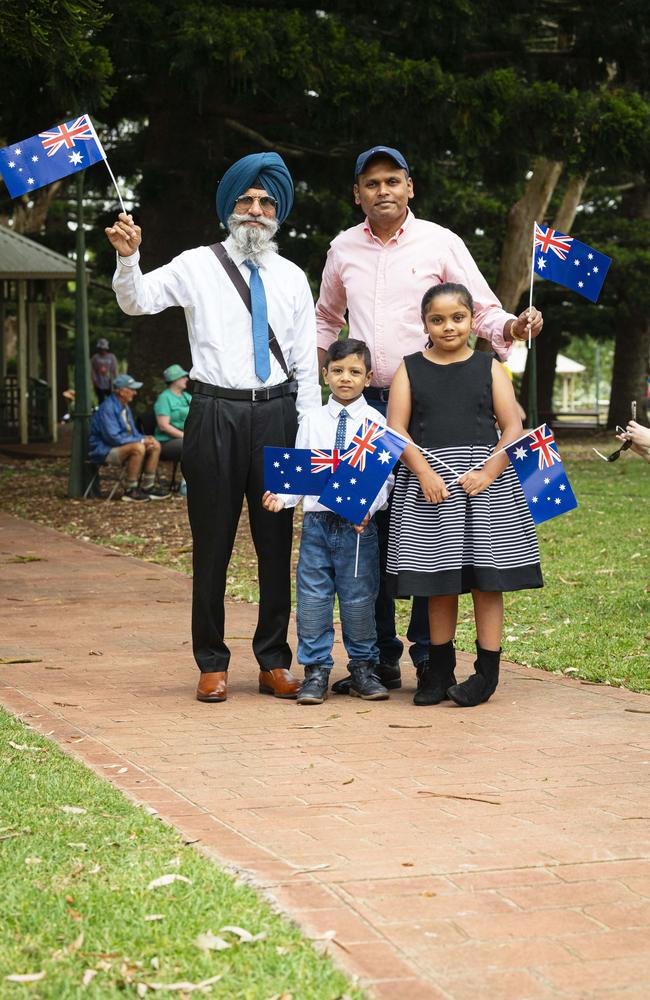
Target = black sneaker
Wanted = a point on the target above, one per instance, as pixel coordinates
(314, 687)
(135, 493)
(156, 492)
(364, 682)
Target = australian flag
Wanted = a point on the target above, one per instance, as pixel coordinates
(367, 464)
(569, 262)
(537, 462)
(301, 471)
(50, 155)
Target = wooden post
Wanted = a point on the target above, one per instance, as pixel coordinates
(50, 356)
(23, 390)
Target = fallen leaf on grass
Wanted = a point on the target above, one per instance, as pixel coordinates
(29, 977)
(88, 976)
(75, 810)
(245, 937)
(155, 916)
(78, 843)
(26, 746)
(167, 880)
(202, 987)
(69, 949)
(19, 659)
(211, 942)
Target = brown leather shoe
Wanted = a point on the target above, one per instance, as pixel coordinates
(212, 686)
(279, 682)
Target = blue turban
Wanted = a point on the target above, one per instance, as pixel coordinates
(272, 172)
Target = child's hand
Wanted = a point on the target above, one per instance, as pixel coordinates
(475, 482)
(433, 487)
(360, 528)
(272, 502)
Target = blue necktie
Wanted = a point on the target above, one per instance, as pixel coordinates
(340, 430)
(260, 323)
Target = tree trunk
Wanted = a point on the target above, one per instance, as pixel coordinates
(176, 214)
(566, 213)
(514, 268)
(632, 349)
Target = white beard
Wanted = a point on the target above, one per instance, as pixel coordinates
(253, 241)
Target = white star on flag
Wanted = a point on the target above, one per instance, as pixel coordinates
(17, 151)
(581, 284)
(562, 486)
(534, 499)
(12, 163)
(384, 456)
(287, 486)
(520, 452)
(276, 465)
(577, 262)
(541, 263)
(595, 270)
(34, 159)
(299, 468)
(75, 158)
(591, 256)
(339, 499)
(286, 455)
(30, 180)
(353, 482)
(557, 500)
(363, 501)
(546, 481)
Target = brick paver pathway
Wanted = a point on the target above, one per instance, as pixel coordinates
(499, 852)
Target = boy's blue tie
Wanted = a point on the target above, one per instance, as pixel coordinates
(340, 430)
(260, 323)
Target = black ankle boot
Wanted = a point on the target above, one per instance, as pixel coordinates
(314, 686)
(437, 675)
(482, 684)
(364, 683)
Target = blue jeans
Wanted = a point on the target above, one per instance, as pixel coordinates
(390, 647)
(325, 569)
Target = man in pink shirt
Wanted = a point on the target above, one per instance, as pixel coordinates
(378, 272)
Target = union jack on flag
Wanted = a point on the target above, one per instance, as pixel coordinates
(50, 155)
(363, 444)
(66, 135)
(536, 460)
(325, 461)
(550, 239)
(542, 441)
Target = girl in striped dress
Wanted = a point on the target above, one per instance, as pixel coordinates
(450, 535)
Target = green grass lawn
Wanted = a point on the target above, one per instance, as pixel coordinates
(76, 907)
(592, 619)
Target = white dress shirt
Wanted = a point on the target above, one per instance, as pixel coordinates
(318, 430)
(219, 325)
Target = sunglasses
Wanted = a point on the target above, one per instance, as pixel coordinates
(266, 202)
(615, 455)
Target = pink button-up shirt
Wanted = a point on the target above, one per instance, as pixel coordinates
(382, 284)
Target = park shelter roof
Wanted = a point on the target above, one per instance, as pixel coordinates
(563, 366)
(23, 259)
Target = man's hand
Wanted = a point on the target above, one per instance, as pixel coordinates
(124, 236)
(475, 482)
(528, 318)
(433, 487)
(272, 502)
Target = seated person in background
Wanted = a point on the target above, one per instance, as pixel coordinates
(640, 438)
(171, 409)
(114, 440)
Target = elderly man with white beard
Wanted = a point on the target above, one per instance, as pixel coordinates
(252, 334)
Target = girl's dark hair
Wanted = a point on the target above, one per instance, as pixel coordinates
(344, 348)
(447, 288)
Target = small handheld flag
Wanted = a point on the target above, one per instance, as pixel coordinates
(48, 156)
(367, 465)
(536, 460)
(567, 261)
(295, 470)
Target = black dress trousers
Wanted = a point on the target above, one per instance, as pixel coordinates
(223, 462)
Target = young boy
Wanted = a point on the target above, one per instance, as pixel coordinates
(328, 544)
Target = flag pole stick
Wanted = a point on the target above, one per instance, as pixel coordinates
(356, 559)
(530, 296)
(108, 166)
(501, 450)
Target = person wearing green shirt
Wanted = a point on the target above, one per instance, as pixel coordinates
(171, 409)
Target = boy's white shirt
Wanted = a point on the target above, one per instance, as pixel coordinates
(318, 430)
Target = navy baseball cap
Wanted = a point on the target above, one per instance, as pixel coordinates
(393, 154)
(126, 382)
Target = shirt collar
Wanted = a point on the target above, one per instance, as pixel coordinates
(355, 409)
(367, 228)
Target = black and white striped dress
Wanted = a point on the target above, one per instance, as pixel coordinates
(486, 542)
